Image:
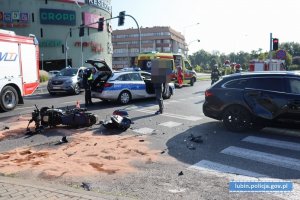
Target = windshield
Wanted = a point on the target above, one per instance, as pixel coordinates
(67, 72)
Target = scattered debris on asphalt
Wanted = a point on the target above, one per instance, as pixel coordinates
(86, 186)
(191, 147)
(63, 140)
(197, 139)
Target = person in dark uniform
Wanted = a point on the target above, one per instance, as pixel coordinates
(87, 80)
(159, 97)
(215, 74)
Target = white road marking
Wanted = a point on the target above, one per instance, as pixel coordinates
(217, 167)
(189, 118)
(273, 143)
(281, 161)
(144, 130)
(170, 124)
(172, 101)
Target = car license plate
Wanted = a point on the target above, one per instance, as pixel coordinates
(56, 87)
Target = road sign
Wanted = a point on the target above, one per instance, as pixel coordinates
(281, 54)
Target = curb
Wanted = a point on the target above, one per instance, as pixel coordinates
(14, 184)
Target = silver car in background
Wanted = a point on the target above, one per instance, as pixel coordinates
(66, 80)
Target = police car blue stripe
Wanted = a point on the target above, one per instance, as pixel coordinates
(133, 86)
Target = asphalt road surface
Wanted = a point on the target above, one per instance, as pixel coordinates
(202, 155)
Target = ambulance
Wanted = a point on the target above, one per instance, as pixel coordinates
(19, 68)
(182, 71)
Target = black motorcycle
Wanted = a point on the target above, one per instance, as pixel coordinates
(51, 117)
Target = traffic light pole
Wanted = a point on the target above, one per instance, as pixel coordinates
(83, 26)
(138, 27)
(140, 35)
(271, 42)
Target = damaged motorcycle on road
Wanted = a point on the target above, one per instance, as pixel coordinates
(51, 117)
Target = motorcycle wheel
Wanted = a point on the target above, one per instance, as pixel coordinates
(93, 119)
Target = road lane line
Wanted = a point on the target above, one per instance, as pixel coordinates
(170, 124)
(189, 118)
(173, 101)
(144, 130)
(273, 143)
(217, 167)
(267, 158)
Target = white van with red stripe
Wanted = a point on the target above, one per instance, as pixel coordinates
(19, 68)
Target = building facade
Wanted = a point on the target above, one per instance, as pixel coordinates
(126, 43)
(56, 24)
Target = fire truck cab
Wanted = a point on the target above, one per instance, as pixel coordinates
(19, 66)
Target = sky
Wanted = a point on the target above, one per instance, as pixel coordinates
(220, 25)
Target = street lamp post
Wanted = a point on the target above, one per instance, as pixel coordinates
(42, 56)
(184, 30)
(187, 51)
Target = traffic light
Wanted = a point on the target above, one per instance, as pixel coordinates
(121, 18)
(81, 30)
(100, 24)
(275, 44)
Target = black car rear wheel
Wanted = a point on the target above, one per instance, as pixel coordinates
(237, 119)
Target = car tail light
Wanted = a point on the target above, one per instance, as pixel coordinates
(208, 93)
(106, 85)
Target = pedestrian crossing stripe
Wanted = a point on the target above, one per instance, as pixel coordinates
(183, 117)
(273, 143)
(144, 130)
(233, 173)
(170, 124)
(267, 158)
(217, 167)
(172, 101)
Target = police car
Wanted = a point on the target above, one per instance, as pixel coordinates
(124, 86)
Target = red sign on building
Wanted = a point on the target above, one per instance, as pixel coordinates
(73, 1)
(90, 19)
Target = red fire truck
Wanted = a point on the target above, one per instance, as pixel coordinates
(267, 65)
(19, 68)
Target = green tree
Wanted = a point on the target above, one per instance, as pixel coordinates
(292, 48)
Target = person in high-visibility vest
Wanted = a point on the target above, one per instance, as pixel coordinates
(87, 83)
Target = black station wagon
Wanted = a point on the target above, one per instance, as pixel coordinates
(253, 100)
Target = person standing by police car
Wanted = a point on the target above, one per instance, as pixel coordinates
(87, 84)
(159, 87)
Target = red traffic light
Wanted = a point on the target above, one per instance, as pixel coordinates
(275, 44)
